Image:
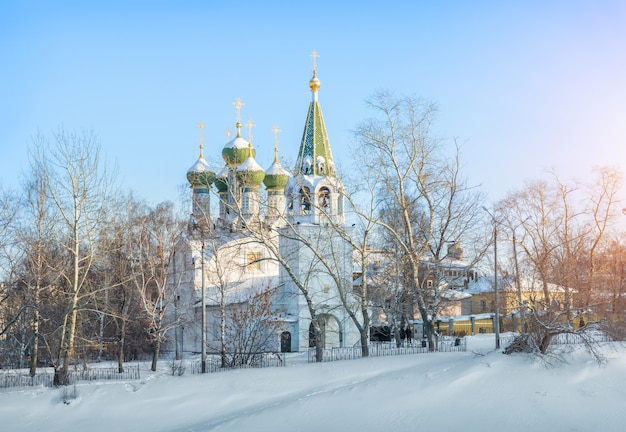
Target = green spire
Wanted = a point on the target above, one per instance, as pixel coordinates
(314, 155)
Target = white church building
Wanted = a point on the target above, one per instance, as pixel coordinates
(231, 256)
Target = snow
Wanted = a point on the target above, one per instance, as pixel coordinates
(479, 390)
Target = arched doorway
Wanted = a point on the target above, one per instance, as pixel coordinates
(285, 341)
(331, 334)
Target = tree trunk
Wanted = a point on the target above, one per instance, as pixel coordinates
(69, 346)
(155, 354)
(122, 343)
(365, 350)
(429, 330)
(34, 355)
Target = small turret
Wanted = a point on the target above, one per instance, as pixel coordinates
(276, 176)
(200, 177)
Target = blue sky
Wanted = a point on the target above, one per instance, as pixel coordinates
(523, 85)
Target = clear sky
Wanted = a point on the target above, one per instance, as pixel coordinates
(523, 85)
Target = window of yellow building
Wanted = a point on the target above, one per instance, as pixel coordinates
(253, 261)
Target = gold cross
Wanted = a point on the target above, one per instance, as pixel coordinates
(238, 104)
(250, 125)
(314, 55)
(276, 130)
(201, 126)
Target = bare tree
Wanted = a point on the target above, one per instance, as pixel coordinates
(221, 272)
(38, 274)
(251, 327)
(276, 240)
(12, 305)
(427, 204)
(120, 252)
(566, 229)
(78, 186)
(153, 268)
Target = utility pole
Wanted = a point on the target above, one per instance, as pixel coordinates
(496, 324)
(203, 312)
(176, 309)
(496, 321)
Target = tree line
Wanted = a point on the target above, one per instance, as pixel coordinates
(88, 271)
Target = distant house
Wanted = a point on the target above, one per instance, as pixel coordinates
(531, 291)
(394, 305)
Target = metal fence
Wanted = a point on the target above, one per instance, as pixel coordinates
(565, 338)
(576, 338)
(46, 379)
(444, 344)
(259, 360)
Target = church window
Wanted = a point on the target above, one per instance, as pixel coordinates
(305, 200)
(325, 288)
(253, 261)
(324, 198)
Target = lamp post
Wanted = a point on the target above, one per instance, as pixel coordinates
(176, 310)
(496, 324)
(203, 362)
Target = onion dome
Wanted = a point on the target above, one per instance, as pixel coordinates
(236, 151)
(200, 175)
(276, 176)
(221, 180)
(250, 173)
(314, 83)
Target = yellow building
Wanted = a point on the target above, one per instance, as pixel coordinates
(510, 298)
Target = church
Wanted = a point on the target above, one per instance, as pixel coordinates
(274, 232)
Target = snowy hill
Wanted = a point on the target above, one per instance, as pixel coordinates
(477, 390)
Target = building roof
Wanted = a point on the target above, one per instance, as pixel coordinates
(485, 284)
(314, 156)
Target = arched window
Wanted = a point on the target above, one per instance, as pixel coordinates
(305, 200)
(324, 198)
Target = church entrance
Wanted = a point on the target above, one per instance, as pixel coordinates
(331, 335)
(285, 342)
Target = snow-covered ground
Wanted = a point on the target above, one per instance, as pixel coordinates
(479, 390)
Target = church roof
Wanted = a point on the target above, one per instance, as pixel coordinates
(236, 151)
(315, 156)
(250, 172)
(276, 177)
(200, 175)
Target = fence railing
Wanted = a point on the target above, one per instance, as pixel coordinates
(383, 349)
(46, 379)
(259, 360)
(575, 338)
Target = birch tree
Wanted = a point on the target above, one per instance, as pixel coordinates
(427, 201)
(78, 187)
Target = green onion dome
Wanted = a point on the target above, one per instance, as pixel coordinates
(236, 151)
(221, 180)
(250, 173)
(200, 175)
(276, 176)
